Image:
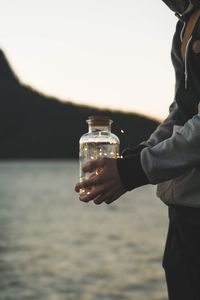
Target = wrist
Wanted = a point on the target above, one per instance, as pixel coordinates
(131, 172)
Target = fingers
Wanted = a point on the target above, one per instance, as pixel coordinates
(100, 195)
(104, 183)
(95, 177)
(94, 180)
(93, 194)
(109, 197)
(94, 164)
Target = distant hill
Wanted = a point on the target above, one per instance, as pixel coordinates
(33, 125)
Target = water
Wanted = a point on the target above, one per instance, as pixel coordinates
(54, 247)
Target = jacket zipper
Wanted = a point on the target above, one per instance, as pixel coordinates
(186, 62)
(186, 54)
(182, 30)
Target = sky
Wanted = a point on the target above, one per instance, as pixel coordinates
(107, 53)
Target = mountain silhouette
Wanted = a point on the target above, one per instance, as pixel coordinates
(7, 75)
(33, 125)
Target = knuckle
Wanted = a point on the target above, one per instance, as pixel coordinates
(87, 166)
(108, 202)
(97, 202)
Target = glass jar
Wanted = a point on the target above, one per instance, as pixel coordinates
(98, 142)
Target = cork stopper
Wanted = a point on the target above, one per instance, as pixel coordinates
(97, 120)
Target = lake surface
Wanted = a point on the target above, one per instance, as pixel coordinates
(53, 247)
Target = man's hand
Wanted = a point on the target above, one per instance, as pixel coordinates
(107, 186)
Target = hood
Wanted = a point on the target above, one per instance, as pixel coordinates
(182, 6)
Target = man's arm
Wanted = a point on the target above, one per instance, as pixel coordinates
(166, 160)
(165, 129)
(131, 169)
(175, 155)
(162, 132)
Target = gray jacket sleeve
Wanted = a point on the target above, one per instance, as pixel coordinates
(172, 156)
(158, 158)
(165, 129)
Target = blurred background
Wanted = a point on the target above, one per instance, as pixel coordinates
(61, 61)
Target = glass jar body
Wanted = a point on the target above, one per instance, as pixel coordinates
(99, 142)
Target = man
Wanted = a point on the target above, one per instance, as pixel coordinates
(170, 158)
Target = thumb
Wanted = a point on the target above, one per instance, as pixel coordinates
(93, 165)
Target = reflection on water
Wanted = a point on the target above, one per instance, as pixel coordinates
(53, 247)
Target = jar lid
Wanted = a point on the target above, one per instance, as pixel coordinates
(99, 120)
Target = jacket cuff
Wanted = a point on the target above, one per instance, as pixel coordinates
(131, 172)
(135, 150)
